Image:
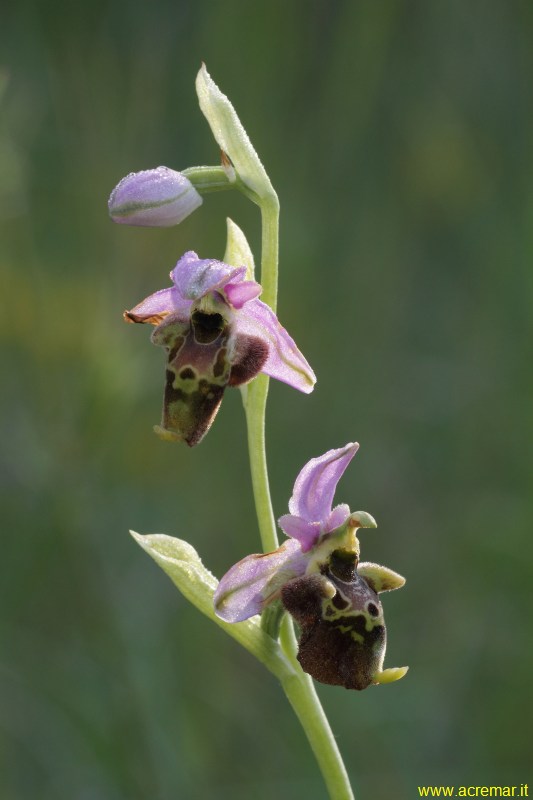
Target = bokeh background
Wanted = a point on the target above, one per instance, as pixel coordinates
(398, 136)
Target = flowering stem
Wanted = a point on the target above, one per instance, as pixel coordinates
(269, 250)
(258, 390)
(298, 687)
(255, 406)
(302, 696)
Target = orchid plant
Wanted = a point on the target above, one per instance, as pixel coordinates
(218, 333)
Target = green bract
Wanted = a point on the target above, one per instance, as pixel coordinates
(231, 137)
(238, 252)
(184, 567)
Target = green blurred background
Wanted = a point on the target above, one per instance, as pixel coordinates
(398, 136)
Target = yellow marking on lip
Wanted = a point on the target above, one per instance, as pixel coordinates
(167, 436)
(389, 675)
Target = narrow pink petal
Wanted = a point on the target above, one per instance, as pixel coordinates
(162, 302)
(307, 533)
(194, 277)
(252, 583)
(315, 486)
(285, 362)
(238, 294)
(338, 517)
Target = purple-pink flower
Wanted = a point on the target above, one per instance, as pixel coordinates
(317, 576)
(314, 529)
(217, 333)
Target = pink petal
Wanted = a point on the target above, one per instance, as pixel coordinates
(285, 362)
(307, 533)
(238, 294)
(338, 517)
(252, 583)
(195, 277)
(315, 485)
(159, 304)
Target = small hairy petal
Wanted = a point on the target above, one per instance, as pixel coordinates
(254, 581)
(154, 198)
(315, 486)
(238, 294)
(307, 533)
(285, 362)
(338, 517)
(195, 277)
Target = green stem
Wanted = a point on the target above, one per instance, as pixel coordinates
(298, 687)
(208, 179)
(269, 250)
(255, 406)
(257, 391)
(303, 698)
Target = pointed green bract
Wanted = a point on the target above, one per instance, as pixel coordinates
(238, 252)
(231, 136)
(182, 563)
(184, 567)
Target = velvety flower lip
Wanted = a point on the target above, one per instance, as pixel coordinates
(194, 279)
(255, 580)
(158, 197)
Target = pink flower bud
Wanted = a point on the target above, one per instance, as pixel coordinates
(154, 197)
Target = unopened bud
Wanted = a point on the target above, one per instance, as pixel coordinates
(158, 197)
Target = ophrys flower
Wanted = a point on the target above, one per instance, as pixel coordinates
(217, 333)
(317, 576)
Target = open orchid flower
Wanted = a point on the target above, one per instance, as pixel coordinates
(317, 576)
(217, 334)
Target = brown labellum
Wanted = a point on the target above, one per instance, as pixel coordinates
(343, 635)
(204, 356)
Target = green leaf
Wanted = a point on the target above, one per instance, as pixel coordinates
(238, 252)
(184, 567)
(232, 138)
